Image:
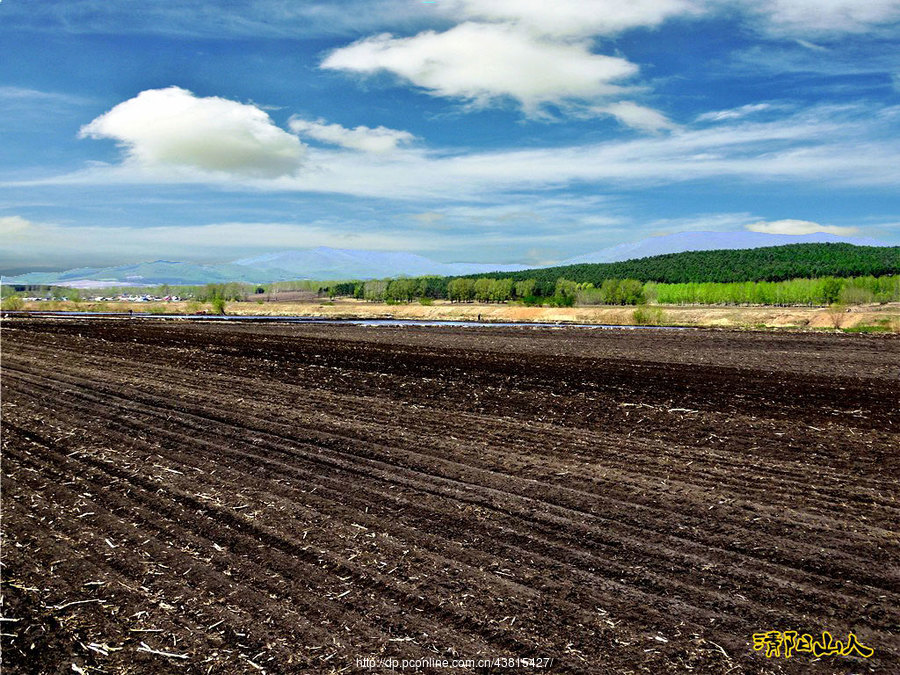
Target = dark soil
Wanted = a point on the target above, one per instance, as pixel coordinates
(294, 498)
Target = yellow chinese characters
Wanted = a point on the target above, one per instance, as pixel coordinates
(785, 644)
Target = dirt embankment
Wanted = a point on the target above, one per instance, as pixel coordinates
(885, 316)
(210, 498)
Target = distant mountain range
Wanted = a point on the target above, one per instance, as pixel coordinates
(336, 263)
(329, 263)
(319, 263)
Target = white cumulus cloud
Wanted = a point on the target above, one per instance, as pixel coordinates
(173, 127)
(367, 139)
(484, 63)
(789, 226)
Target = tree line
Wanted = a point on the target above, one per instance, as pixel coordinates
(567, 292)
(822, 291)
(564, 292)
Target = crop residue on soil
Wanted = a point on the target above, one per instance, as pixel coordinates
(212, 498)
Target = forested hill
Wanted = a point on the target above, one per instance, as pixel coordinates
(774, 263)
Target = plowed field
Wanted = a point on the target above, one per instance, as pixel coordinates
(216, 498)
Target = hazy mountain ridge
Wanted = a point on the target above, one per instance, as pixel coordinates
(326, 264)
(320, 264)
(332, 263)
(148, 273)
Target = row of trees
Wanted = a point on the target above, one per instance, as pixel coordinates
(392, 290)
(823, 291)
(611, 292)
(566, 292)
(467, 289)
(563, 292)
(483, 290)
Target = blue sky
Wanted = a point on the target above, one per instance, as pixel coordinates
(464, 130)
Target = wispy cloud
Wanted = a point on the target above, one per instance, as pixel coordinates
(32, 110)
(40, 244)
(569, 18)
(210, 19)
(637, 116)
(734, 113)
(44, 244)
(821, 17)
(575, 18)
(839, 145)
(811, 45)
(37, 96)
(799, 227)
(366, 139)
(609, 17)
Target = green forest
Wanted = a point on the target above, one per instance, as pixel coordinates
(773, 263)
